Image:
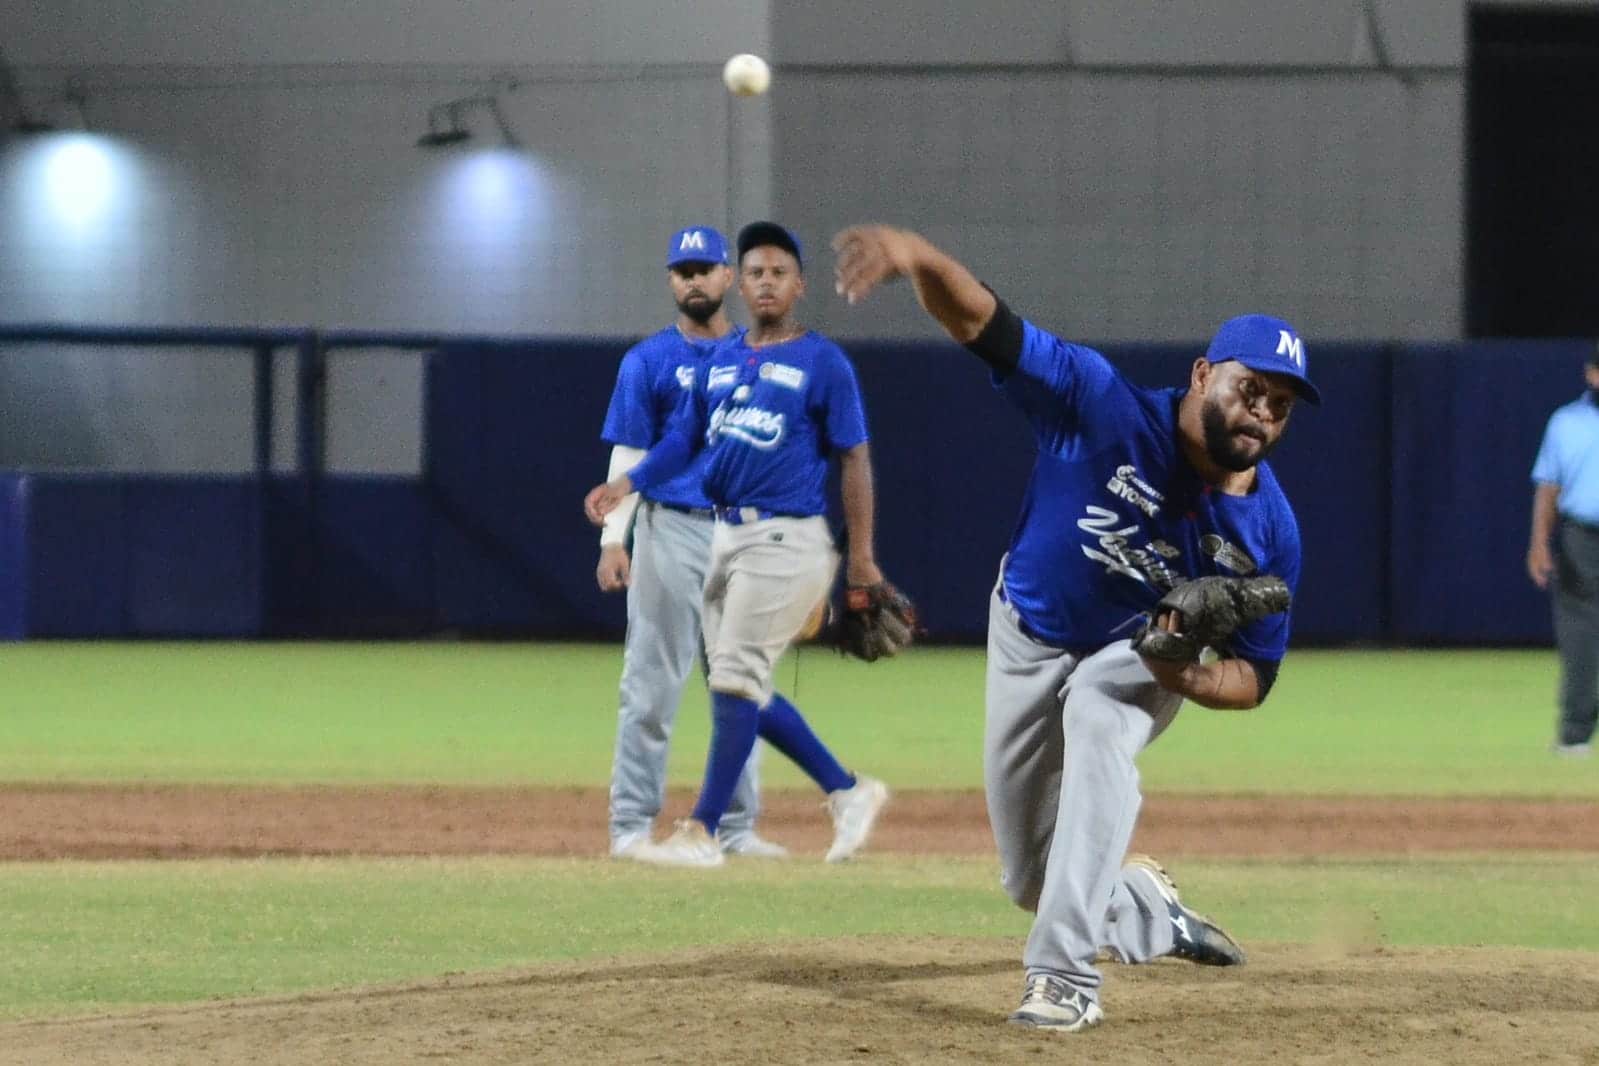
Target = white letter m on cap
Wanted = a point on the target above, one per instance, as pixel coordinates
(1292, 347)
(694, 240)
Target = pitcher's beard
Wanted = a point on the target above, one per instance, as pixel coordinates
(1222, 446)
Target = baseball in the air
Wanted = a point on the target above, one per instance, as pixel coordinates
(746, 75)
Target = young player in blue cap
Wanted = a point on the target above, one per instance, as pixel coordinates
(670, 527)
(765, 416)
(1134, 493)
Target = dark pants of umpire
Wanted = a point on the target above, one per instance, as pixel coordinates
(1576, 607)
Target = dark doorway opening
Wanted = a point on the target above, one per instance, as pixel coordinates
(1532, 172)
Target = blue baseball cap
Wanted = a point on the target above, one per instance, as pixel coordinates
(1267, 344)
(759, 234)
(697, 244)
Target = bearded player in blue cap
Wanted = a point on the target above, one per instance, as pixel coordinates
(670, 529)
(1140, 500)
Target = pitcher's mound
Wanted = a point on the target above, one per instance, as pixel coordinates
(888, 1000)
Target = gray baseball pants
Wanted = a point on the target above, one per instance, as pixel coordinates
(1576, 611)
(1060, 736)
(671, 550)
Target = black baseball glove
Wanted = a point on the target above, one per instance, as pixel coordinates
(1209, 610)
(878, 621)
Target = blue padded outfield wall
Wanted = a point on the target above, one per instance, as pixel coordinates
(104, 556)
(1411, 486)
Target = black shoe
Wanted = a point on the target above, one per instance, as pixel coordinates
(1198, 939)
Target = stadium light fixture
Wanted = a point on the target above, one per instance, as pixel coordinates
(447, 122)
(68, 110)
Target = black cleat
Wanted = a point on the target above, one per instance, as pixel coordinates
(1197, 938)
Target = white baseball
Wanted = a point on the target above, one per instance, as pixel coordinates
(746, 75)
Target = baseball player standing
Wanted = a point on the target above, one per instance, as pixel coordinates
(1134, 493)
(769, 409)
(663, 576)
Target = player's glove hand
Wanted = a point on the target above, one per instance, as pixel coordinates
(878, 622)
(1205, 612)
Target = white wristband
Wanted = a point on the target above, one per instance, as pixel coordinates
(619, 521)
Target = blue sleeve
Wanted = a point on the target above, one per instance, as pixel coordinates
(842, 414)
(663, 462)
(1054, 383)
(1546, 468)
(1267, 639)
(682, 441)
(630, 421)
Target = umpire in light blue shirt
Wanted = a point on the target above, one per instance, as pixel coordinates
(1564, 555)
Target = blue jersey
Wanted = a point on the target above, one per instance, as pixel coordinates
(655, 375)
(765, 422)
(1114, 514)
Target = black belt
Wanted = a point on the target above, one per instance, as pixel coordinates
(1016, 616)
(1036, 637)
(697, 512)
(1586, 527)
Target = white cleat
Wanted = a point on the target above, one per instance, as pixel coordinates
(854, 812)
(751, 846)
(631, 845)
(1051, 1004)
(689, 845)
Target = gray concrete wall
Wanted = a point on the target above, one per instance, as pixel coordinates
(1195, 33)
(1130, 170)
(1145, 168)
(1147, 205)
(309, 202)
(257, 165)
(511, 33)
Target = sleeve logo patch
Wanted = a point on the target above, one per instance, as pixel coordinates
(1227, 554)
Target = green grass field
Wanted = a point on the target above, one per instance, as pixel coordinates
(1398, 723)
(96, 936)
(92, 936)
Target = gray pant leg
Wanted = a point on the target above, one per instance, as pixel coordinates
(1023, 750)
(663, 644)
(1576, 615)
(1060, 739)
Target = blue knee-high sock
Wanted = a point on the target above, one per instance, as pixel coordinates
(733, 725)
(784, 728)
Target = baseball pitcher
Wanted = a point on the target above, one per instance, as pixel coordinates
(1154, 562)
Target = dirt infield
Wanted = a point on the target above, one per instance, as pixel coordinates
(174, 822)
(885, 1001)
(880, 1000)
